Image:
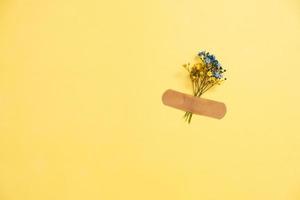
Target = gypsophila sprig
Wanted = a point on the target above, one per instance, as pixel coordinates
(205, 73)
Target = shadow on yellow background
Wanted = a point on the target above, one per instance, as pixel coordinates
(80, 100)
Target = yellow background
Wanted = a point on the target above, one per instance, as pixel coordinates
(80, 100)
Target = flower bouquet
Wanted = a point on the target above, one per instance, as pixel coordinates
(205, 73)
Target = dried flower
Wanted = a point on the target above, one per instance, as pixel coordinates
(204, 74)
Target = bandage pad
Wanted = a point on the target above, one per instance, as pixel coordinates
(195, 105)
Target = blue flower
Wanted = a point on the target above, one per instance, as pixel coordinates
(218, 75)
(207, 60)
(212, 57)
(215, 63)
(202, 53)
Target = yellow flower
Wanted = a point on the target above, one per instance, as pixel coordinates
(209, 73)
(198, 66)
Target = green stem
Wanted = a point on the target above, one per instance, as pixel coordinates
(190, 118)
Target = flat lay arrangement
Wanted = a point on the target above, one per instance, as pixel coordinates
(204, 73)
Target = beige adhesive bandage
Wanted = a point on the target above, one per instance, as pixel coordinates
(193, 104)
